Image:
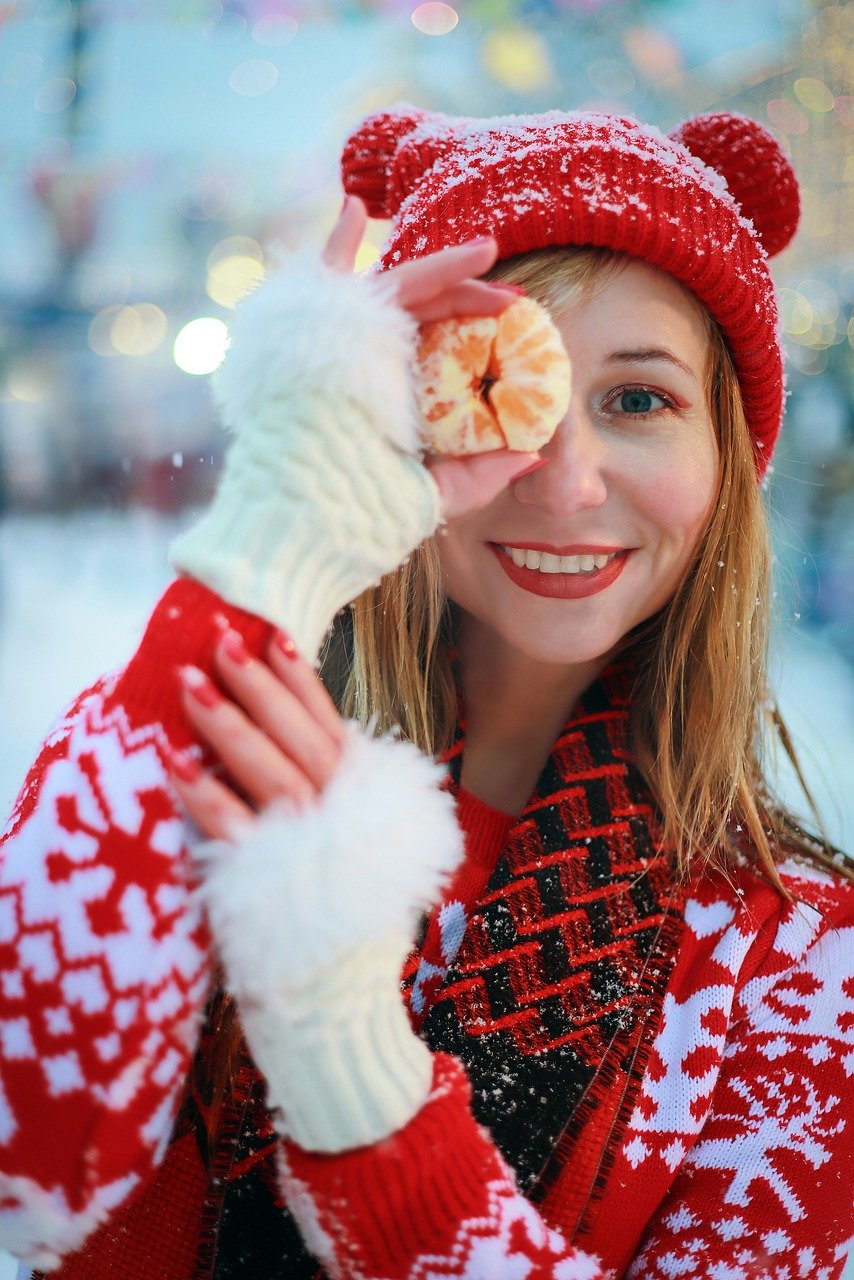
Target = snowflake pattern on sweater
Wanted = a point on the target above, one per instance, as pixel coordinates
(736, 1161)
(104, 968)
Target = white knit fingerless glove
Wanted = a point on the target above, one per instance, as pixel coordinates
(322, 491)
(314, 914)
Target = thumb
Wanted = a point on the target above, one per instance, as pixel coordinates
(470, 483)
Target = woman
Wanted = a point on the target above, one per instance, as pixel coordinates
(627, 1025)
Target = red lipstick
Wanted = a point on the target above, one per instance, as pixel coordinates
(563, 586)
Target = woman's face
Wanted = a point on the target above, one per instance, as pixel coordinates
(631, 475)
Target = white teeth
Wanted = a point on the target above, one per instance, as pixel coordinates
(545, 562)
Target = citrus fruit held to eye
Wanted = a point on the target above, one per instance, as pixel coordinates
(492, 382)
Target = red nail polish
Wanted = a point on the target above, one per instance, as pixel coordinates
(183, 765)
(285, 644)
(234, 648)
(201, 688)
(535, 466)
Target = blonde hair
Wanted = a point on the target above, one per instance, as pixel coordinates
(703, 719)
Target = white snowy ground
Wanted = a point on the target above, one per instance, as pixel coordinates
(75, 593)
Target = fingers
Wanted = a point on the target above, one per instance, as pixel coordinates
(259, 766)
(469, 484)
(471, 298)
(344, 240)
(302, 680)
(277, 708)
(436, 287)
(213, 807)
(277, 733)
(422, 280)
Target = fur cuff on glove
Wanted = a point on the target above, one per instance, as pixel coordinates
(300, 890)
(314, 913)
(306, 327)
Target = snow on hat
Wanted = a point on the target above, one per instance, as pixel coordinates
(709, 203)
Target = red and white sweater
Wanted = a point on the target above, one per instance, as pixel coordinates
(737, 1160)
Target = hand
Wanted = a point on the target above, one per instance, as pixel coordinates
(436, 287)
(280, 739)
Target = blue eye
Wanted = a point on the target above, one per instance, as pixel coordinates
(638, 402)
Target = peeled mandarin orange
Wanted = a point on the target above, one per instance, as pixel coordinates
(492, 382)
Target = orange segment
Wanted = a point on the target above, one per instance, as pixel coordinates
(493, 381)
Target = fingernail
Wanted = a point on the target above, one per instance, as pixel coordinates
(481, 240)
(535, 466)
(234, 648)
(285, 644)
(510, 288)
(344, 203)
(200, 687)
(183, 765)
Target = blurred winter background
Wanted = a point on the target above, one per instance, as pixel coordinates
(151, 152)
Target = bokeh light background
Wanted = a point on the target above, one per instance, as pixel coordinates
(152, 153)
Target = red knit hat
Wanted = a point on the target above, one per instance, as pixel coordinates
(708, 203)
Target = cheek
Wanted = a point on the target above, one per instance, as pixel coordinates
(678, 499)
(678, 510)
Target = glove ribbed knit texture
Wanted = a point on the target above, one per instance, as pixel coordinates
(322, 492)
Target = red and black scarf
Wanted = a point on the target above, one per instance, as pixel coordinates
(551, 1002)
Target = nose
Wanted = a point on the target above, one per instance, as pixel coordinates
(574, 480)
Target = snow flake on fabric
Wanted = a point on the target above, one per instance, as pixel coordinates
(794, 1118)
(99, 924)
(730, 1228)
(636, 1152)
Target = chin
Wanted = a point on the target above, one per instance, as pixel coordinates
(540, 649)
(558, 646)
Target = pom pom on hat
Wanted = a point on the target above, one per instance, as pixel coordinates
(369, 154)
(757, 171)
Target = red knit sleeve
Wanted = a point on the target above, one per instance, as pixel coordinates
(104, 955)
(766, 1190)
(434, 1199)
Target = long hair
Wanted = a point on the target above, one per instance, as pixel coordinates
(703, 718)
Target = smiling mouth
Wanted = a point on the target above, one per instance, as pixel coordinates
(572, 577)
(545, 562)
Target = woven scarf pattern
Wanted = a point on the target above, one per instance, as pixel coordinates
(555, 993)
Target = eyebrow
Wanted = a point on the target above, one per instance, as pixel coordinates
(649, 353)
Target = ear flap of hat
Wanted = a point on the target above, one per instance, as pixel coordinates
(757, 172)
(369, 155)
